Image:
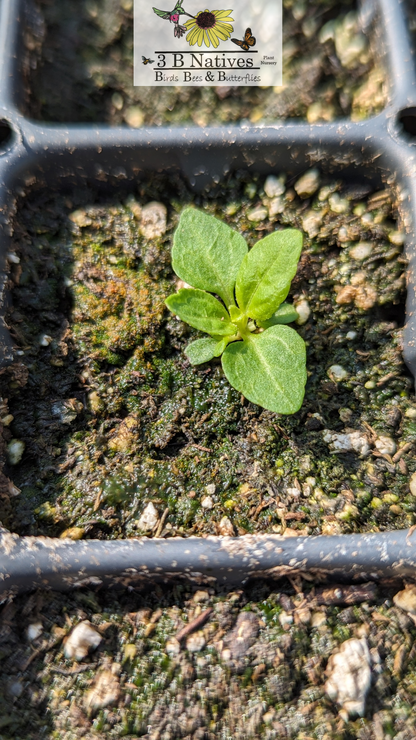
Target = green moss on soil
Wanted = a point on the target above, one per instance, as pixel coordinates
(113, 416)
(80, 57)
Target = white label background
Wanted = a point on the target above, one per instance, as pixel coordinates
(154, 39)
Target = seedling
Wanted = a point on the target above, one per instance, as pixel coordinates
(261, 358)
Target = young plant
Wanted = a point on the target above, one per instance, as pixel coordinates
(261, 358)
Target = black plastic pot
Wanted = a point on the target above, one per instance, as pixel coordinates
(381, 150)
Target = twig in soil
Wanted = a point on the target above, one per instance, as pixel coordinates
(260, 507)
(162, 522)
(371, 430)
(346, 594)
(408, 446)
(386, 378)
(200, 447)
(42, 649)
(387, 458)
(280, 430)
(194, 625)
(328, 329)
(97, 501)
(73, 671)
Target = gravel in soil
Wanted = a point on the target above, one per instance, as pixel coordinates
(79, 60)
(198, 664)
(109, 432)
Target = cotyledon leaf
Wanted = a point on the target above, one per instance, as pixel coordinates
(264, 278)
(207, 253)
(201, 310)
(269, 369)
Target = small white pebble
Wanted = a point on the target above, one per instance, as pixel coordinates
(337, 373)
(172, 646)
(311, 223)
(352, 442)
(226, 527)
(327, 32)
(154, 217)
(80, 218)
(117, 101)
(105, 690)
(361, 251)
(210, 489)
(257, 214)
(338, 204)
(410, 413)
(200, 596)
(318, 619)
(349, 676)
(12, 257)
(308, 184)
(15, 450)
(149, 518)
(207, 503)
(134, 116)
(34, 631)
(45, 340)
(276, 205)
(397, 238)
(304, 311)
(386, 445)
(343, 235)
(83, 638)
(285, 618)
(412, 484)
(196, 642)
(406, 599)
(274, 186)
(293, 492)
(367, 219)
(351, 335)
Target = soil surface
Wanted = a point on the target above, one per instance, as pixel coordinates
(79, 62)
(104, 415)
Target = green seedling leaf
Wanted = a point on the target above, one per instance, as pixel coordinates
(207, 253)
(264, 278)
(285, 314)
(202, 311)
(269, 369)
(203, 350)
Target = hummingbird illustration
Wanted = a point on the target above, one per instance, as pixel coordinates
(173, 16)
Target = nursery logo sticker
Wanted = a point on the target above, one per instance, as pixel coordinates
(192, 45)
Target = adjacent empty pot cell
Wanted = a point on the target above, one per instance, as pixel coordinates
(120, 436)
(268, 658)
(78, 67)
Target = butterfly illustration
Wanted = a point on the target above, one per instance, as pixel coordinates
(147, 61)
(248, 41)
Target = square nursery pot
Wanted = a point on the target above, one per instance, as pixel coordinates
(379, 150)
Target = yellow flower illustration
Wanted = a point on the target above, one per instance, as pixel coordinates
(209, 27)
